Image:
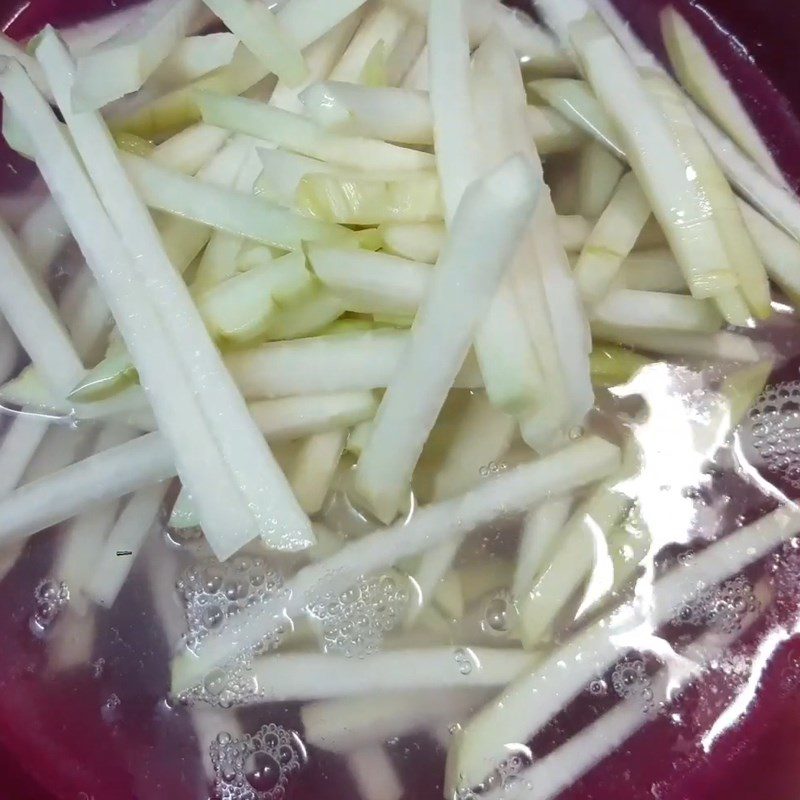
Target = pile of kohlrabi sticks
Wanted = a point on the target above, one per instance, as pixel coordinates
(307, 239)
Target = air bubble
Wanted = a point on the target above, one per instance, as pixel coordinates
(598, 688)
(500, 614)
(50, 597)
(465, 661)
(353, 622)
(256, 767)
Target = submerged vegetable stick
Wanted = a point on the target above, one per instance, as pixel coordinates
(578, 464)
(104, 476)
(465, 278)
(276, 516)
(303, 136)
(526, 706)
(600, 173)
(194, 57)
(43, 235)
(657, 311)
(322, 364)
(723, 346)
(258, 30)
(312, 676)
(127, 537)
(420, 241)
(314, 468)
(20, 441)
(677, 199)
(306, 21)
(123, 63)
(190, 149)
(343, 725)
(576, 102)
(581, 545)
(179, 418)
(612, 240)
(34, 320)
(742, 253)
(374, 774)
(653, 271)
(539, 537)
(224, 209)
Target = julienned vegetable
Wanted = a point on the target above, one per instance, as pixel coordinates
(328, 265)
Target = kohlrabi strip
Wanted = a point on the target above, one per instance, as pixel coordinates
(194, 57)
(276, 515)
(224, 209)
(43, 235)
(197, 457)
(32, 316)
(653, 270)
(658, 311)
(314, 468)
(375, 774)
(611, 241)
(598, 178)
(20, 441)
(306, 21)
(578, 464)
(464, 281)
(302, 135)
(190, 149)
(286, 677)
(258, 30)
(123, 63)
(526, 706)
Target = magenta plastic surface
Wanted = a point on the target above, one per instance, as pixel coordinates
(56, 744)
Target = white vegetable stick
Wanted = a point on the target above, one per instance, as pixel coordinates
(86, 316)
(20, 441)
(43, 235)
(183, 514)
(568, 356)
(312, 676)
(33, 319)
(392, 114)
(375, 282)
(464, 281)
(341, 362)
(314, 468)
(455, 135)
(302, 135)
(658, 311)
(190, 149)
(526, 706)
(194, 57)
(581, 546)
(374, 774)
(127, 536)
(380, 23)
(653, 271)
(306, 21)
(677, 199)
(259, 31)
(11, 49)
(276, 516)
(72, 642)
(157, 368)
(417, 77)
(224, 209)
(218, 262)
(406, 52)
(321, 57)
(420, 241)
(611, 241)
(123, 63)
(551, 132)
(578, 464)
(101, 477)
(742, 253)
(780, 252)
(573, 230)
(723, 346)
(576, 102)
(343, 725)
(600, 174)
(85, 535)
(308, 318)
(539, 536)
(527, 38)
(283, 173)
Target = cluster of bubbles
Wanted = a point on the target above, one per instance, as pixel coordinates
(631, 681)
(493, 468)
(257, 766)
(354, 622)
(786, 569)
(234, 684)
(49, 597)
(771, 435)
(722, 608)
(214, 593)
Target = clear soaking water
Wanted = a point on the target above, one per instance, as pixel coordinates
(709, 702)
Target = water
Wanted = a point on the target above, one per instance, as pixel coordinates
(86, 692)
